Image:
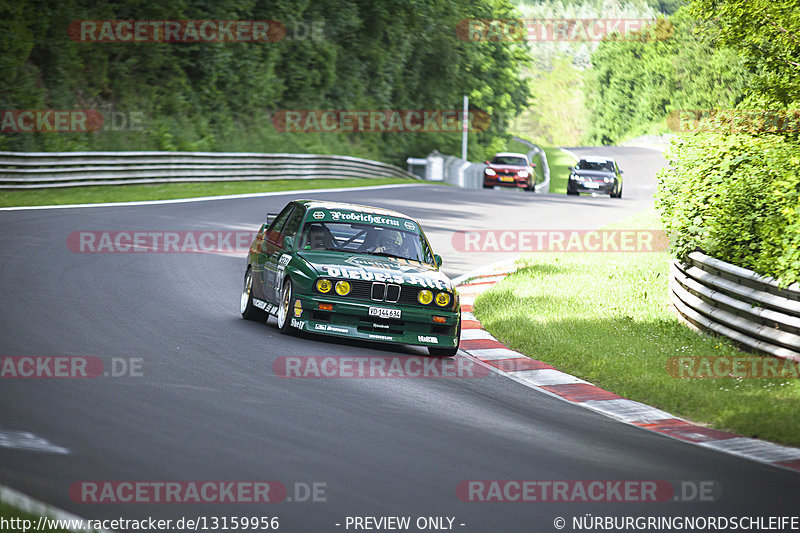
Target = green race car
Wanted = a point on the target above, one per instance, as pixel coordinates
(351, 271)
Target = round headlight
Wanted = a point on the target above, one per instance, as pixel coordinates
(522, 173)
(342, 288)
(425, 297)
(490, 172)
(442, 299)
(324, 285)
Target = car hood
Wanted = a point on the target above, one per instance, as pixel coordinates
(507, 168)
(593, 173)
(376, 268)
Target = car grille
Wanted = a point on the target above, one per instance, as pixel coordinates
(376, 291)
(379, 292)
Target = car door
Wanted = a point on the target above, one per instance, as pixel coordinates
(277, 256)
(264, 248)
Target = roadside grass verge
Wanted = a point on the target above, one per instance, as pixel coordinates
(559, 173)
(14, 517)
(605, 318)
(169, 191)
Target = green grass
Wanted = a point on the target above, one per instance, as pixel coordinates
(167, 191)
(605, 317)
(559, 173)
(7, 512)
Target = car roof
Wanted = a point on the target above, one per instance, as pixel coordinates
(597, 159)
(510, 154)
(312, 204)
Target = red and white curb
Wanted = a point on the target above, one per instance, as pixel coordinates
(481, 345)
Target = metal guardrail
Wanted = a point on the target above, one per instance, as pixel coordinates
(544, 186)
(26, 170)
(737, 303)
(455, 170)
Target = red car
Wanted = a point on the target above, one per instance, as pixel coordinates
(509, 169)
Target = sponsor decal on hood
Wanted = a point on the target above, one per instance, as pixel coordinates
(338, 215)
(385, 272)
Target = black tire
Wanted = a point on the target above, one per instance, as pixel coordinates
(618, 195)
(447, 352)
(285, 308)
(570, 192)
(248, 310)
(487, 186)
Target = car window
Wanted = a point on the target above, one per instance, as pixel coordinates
(594, 165)
(292, 225)
(274, 229)
(367, 239)
(506, 160)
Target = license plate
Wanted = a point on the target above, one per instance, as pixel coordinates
(384, 312)
(506, 178)
(591, 185)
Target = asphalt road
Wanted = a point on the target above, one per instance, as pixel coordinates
(208, 405)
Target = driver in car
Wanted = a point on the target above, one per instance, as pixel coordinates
(319, 238)
(389, 242)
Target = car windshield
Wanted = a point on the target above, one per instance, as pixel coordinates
(366, 239)
(594, 165)
(509, 160)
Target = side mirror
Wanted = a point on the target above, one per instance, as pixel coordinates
(533, 165)
(570, 168)
(288, 244)
(486, 163)
(438, 259)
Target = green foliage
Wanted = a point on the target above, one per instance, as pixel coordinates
(766, 33)
(737, 198)
(732, 188)
(557, 93)
(639, 79)
(221, 96)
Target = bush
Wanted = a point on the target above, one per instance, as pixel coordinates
(736, 197)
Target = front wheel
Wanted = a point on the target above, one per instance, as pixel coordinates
(248, 310)
(285, 307)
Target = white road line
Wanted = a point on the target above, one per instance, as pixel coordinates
(210, 198)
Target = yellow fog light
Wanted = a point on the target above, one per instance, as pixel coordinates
(442, 299)
(425, 297)
(324, 285)
(342, 288)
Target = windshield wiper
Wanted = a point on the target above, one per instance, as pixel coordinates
(387, 254)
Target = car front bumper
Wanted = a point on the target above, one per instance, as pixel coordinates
(491, 181)
(352, 319)
(589, 187)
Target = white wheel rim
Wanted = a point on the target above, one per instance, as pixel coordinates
(245, 292)
(283, 310)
